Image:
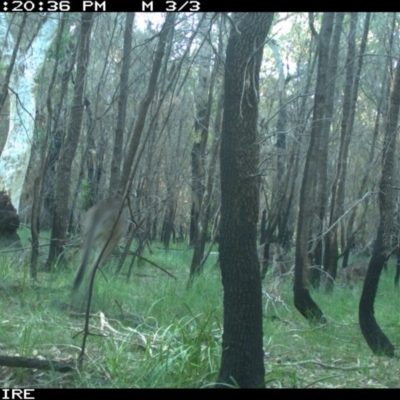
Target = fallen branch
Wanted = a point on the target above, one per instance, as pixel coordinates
(156, 265)
(47, 365)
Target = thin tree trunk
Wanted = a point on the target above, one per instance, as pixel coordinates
(323, 154)
(166, 31)
(302, 298)
(60, 215)
(10, 68)
(338, 189)
(116, 161)
(208, 176)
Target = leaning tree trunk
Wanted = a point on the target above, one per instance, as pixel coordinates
(166, 32)
(373, 335)
(385, 88)
(302, 298)
(338, 188)
(6, 82)
(242, 342)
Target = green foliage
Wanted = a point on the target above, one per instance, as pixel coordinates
(152, 332)
(334, 355)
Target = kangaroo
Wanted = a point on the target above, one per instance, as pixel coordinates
(97, 224)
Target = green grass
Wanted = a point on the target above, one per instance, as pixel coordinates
(151, 331)
(334, 355)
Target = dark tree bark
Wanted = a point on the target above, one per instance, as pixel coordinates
(281, 213)
(196, 266)
(203, 100)
(59, 225)
(47, 162)
(282, 177)
(212, 200)
(287, 211)
(168, 223)
(35, 228)
(167, 31)
(373, 335)
(6, 82)
(323, 154)
(55, 129)
(397, 275)
(338, 189)
(9, 223)
(205, 180)
(302, 299)
(202, 121)
(124, 80)
(385, 89)
(242, 342)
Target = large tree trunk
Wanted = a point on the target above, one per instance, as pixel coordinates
(373, 335)
(23, 82)
(242, 342)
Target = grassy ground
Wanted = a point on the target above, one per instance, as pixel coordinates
(152, 332)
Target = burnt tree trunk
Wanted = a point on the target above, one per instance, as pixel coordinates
(373, 335)
(166, 33)
(302, 298)
(122, 104)
(242, 342)
(323, 153)
(9, 223)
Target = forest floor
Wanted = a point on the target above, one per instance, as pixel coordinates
(150, 331)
